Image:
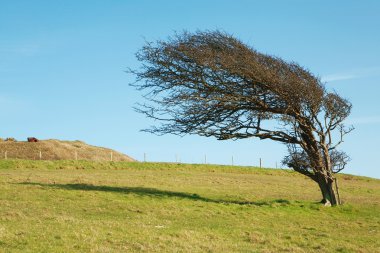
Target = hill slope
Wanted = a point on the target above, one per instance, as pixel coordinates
(85, 206)
(59, 150)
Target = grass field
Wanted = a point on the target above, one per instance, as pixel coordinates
(68, 206)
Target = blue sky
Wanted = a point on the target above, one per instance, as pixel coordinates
(62, 69)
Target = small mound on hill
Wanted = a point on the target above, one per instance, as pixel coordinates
(58, 150)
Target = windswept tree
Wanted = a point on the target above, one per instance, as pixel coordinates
(211, 84)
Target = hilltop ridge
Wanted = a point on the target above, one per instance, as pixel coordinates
(58, 150)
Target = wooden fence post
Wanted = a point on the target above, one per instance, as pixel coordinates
(337, 190)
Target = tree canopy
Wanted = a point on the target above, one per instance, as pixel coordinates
(212, 84)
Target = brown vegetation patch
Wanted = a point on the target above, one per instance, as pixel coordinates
(58, 150)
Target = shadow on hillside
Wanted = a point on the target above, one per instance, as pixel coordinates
(153, 192)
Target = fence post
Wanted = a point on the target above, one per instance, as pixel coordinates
(40, 155)
(232, 160)
(337, 190)
(260, 163)
(111, 156)
(205, 159)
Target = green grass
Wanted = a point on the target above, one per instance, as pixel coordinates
(78, 206)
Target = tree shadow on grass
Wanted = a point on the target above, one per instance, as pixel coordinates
(157, 193)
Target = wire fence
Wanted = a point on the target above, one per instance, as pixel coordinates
(45, 155)
(233, 161)
(110, 156)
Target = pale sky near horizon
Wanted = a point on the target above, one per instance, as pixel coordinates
(62, 69)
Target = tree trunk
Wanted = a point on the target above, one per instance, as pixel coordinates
(327, 189)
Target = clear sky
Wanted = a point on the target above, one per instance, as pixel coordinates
(62, 69)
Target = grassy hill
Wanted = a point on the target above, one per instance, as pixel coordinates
(84, 206)
(58, 150)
